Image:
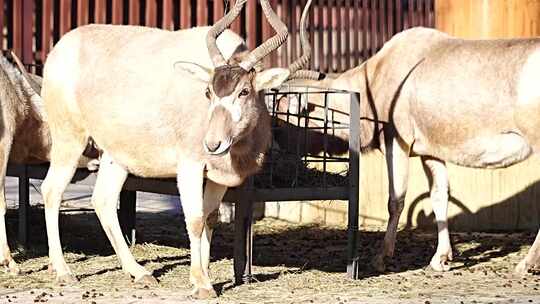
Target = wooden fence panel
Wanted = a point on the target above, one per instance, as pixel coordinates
(343, 32)
(134, 12)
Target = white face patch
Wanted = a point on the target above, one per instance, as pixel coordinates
(228, 103)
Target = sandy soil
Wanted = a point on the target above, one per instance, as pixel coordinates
(293, 264)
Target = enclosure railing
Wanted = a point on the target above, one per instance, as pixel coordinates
(343, 32)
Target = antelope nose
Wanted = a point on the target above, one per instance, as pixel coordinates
(212, 146)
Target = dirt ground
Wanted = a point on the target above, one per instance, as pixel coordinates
(293, 264)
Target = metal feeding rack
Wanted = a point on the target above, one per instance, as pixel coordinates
(314, 156)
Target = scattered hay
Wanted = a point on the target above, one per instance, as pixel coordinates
(293, 264)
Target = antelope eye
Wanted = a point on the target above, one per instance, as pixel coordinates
(208, 93)
(244, 92)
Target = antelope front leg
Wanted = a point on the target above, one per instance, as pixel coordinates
(213, 194)
(532, 259)
(190, 186)
(397, 163)
(5, 254)
(439, 201)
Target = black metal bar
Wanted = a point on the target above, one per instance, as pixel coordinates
(354, 187)
(24, 206)
(243, 240)
(127, 215)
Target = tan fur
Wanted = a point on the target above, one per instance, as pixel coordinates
(24, 136)
(475, 103)
(24, 133)
(147, 97)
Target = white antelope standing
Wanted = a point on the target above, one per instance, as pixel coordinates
(474, 103)
(140, 94)
(24, 134)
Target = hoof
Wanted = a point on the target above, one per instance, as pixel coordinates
(66, 279)
(203, 294)
(378, 264)
(522, 268)
(13, 268)
(10, 267)
(440, 264)
(146, 280)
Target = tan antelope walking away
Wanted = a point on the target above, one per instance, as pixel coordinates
(474, 103)
(159, 106)
(24, 134)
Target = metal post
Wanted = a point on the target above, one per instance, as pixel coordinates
(354, 187)
(128, 204)
(243, 241)
(24, 206)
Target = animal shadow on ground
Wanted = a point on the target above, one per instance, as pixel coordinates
(276, 243)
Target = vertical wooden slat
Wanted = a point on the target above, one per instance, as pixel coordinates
(27, 32)
(381, 32)
(431, 12)
(82, 12)
(117, 11)
(135, 12)
(17, 27)
(266, 34)
(202, 12)
(373, 31)
(399, 16)
(251, 26)
(218, 10)
(46, 25)
(347, 34)
(185, 14)
(65, 17)
(427, 13)
(330, 35)
(167, 13)
(365, 29)
(410, 14)
(100, 11)
(2, 19)
(339, 34)
(321, 29)
(390, 22)
(356, 31)
(151, 13)
(293, 30)
(285, 11)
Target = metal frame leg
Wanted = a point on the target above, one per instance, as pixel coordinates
(243, 241)
(354, 187)
(24, 207)
(127, 213)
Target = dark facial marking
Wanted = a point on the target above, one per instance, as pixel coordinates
(226, 79)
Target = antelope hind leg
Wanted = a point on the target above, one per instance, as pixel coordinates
(397, 162)
(109, 182)
(439, 200)
(532, 259)
(64, 158)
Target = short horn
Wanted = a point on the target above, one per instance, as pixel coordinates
(296, 68)
(271, 44)
(217, 29)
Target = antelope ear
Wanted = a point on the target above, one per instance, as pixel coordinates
(270, 78)
(194, 70)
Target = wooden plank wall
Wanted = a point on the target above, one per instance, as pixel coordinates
(343, 32)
